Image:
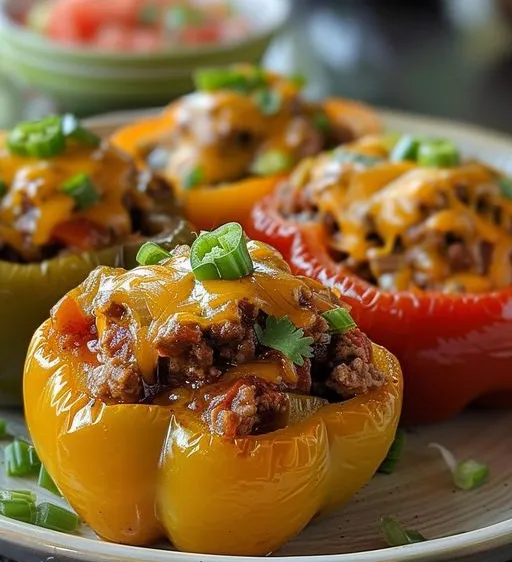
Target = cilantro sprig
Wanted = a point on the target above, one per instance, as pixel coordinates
(281, 334)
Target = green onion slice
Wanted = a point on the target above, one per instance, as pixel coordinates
(339, 320)
(321, 121)
(41, 139)
(56, 518)
(193, 178)
(221, 254)
(72, 128)
(244, 80)
(20, 459)
(14, 495)
(344, 156)
(180, 16)
(406, 148)
(298, 80)
(388, 465)
(505, 185)
(46, 481)
(272, 162)
(151, 253)
(438, 153)
(468, 474)
(81, 188)
(395, 535)
(3, 428)
(269, 101)
(19, 509)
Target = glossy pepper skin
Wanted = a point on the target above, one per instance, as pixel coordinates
(207, 207)
(28, 291)
(454, 349)
(137, 473)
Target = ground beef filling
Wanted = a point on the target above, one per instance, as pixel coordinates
(195, 358)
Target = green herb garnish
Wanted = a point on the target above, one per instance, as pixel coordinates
(193, 178)
(280, 334)
(395, 535)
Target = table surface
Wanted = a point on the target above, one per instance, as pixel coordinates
(451, 59)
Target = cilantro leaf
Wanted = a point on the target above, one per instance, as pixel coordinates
(280, 334)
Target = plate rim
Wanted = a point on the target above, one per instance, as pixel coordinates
(476, 541)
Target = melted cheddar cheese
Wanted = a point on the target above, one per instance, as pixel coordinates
(221, 136)
(34, 211)
(405, 227)
(157, 298)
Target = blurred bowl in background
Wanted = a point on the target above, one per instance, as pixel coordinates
(88, 81)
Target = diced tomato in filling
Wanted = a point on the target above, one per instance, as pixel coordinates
(81, 234)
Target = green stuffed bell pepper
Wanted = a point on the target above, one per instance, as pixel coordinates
(68, 202)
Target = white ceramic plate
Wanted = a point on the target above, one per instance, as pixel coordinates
(472, 526)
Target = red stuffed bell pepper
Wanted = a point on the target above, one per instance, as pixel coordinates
(419, 243)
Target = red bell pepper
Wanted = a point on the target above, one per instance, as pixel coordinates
(455, 349)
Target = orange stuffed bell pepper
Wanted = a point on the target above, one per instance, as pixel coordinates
(418, 242)
(225, 146)
(208, 396)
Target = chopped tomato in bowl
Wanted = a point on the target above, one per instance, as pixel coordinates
(139, 26)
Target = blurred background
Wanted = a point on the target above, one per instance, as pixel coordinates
(446, 58)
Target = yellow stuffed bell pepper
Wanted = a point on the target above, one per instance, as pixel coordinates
(208, 396)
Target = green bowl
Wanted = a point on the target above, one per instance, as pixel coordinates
(87, 81)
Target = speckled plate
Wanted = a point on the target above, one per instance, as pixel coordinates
(473, 526)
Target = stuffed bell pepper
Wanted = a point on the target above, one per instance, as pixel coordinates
(224, 146)
(68, 201)
(419, 241)
(208, 396)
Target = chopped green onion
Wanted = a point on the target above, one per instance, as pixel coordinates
(41, 139)
(233, 78)
(180, 16)
(3, 428)
(298, 80)
(272, 162)
(221, 254)
(406, 149)
(151, 254)
(34, 459)
(72, 128)
(390, 139)
(193, 178)
(438, 153)
(388, 465)
(505, 187)
(282, 335)
(56, 518)
(269, 101)
(344, 156)
(20, 459)
(46, 481)
(468, 474)
(339, 320)
(25, 495)
(149, 14)
(321, 121)
(395, 535)
(21, 510)
(81, 188)
(3, 188)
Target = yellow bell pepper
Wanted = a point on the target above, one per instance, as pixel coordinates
(137, 473)
(117, 463)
